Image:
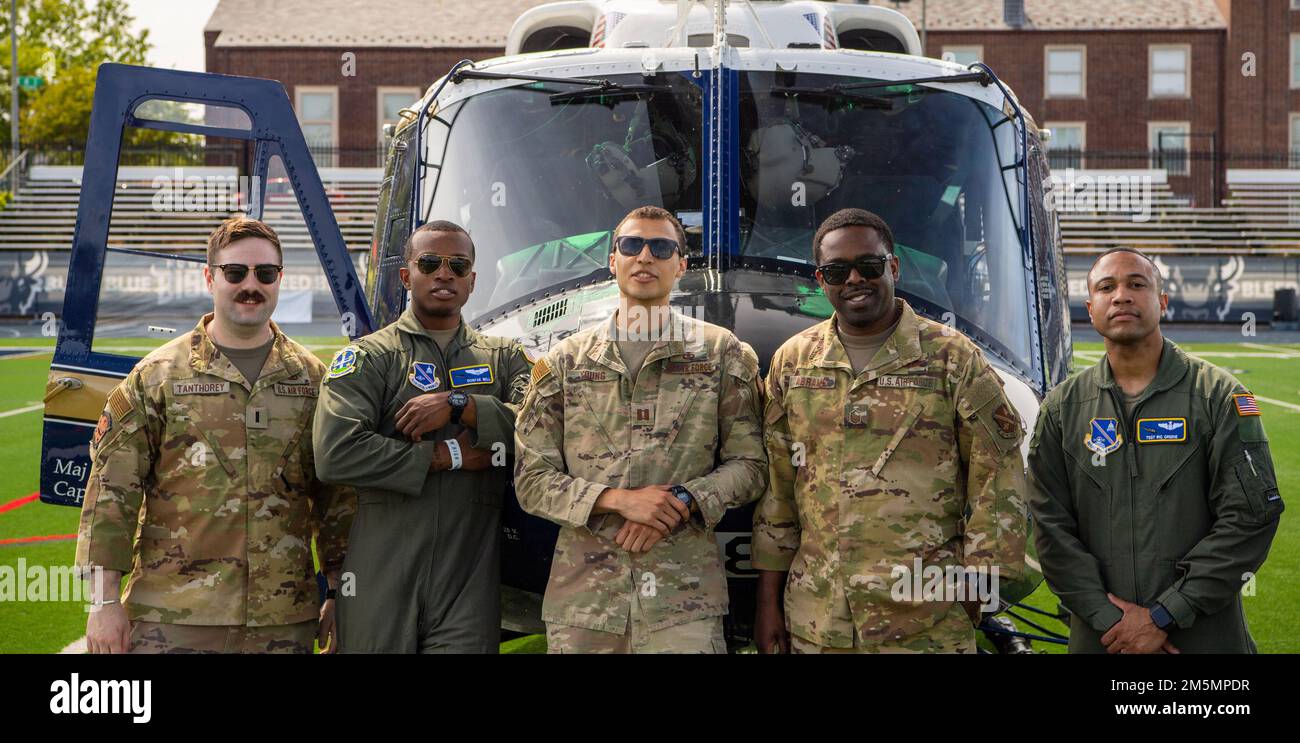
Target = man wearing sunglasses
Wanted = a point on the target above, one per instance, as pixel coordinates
(420, 417)
(893, 452)
(636, 437)
(202, 485)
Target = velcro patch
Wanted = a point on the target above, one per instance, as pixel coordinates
(541, 370)
(105, 425)
(463, 376)
(119, 404)
(694, 367)
(1161, 430)
(816, 383)
(297, 390)
(924, 383)
(643, 416)
(200, 388)
(1246, 404)
(1007, 421)
(344, 363)
(589, 375)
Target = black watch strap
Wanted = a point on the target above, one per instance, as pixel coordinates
(331, 593)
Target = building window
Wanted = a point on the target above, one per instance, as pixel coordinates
(1067, 75)
(1065, 148)
(1294, 141)
(1170, 70)
(1168, 142)
(1295, 60)
(963, 55)
(318, 115)
(391, 101)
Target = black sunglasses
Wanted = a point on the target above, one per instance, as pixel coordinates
(661, 248)
(235, 273)
(872, 267)
(431, 262)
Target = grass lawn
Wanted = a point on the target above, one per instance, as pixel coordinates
(43, 627)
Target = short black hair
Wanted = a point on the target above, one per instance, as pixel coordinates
(852, 218)
(1154, 268)
(655, 214)
(437, 225)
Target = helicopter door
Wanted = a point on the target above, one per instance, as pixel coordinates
(129, 290)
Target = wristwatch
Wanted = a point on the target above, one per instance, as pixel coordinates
(683, 495)
(458, 400)
(1161, 616)
(331, 593)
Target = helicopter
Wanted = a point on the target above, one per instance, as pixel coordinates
(751, 122)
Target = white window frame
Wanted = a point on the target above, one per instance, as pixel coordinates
(1083, 70)
(1294, 57)
(1082, 126)
(1292, 141)
(1186, 49)
(333, 90)
(1186, 126)
(384, 90)
(977, 48)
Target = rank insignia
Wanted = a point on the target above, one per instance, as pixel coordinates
(424, 376)
(1104, 436)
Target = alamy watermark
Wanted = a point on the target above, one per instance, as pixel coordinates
(945, 583)
(1102, 192)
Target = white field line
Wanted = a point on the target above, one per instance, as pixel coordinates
(1272, 349)
(76, 647)
(20, 411)
(26, 354)
(1271, 401)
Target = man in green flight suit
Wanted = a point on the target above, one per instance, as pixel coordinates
(420, 417)
(1151, 483)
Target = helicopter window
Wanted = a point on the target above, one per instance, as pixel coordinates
(929, 162)
(540, 183)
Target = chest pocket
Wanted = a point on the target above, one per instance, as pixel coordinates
(906, 421)
(688, 403)
(594, 405)
(204, 421)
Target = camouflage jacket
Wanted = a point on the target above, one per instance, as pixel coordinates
(916, 458)
(205, 492)
(691, 417)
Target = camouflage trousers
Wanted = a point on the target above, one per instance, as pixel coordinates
(151, 638)
(800, 646)
(702, 636)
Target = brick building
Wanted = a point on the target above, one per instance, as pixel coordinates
(1193, 86)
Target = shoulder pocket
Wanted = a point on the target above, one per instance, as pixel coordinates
(1254, 472)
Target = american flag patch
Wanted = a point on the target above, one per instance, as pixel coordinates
(1246, 404)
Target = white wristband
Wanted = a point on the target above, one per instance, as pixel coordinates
(453, 447)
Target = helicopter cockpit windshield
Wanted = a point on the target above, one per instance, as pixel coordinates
(930, 162)
(540, 176)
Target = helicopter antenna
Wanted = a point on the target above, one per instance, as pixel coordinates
(718, 187)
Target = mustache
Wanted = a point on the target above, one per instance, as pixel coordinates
(250, 295)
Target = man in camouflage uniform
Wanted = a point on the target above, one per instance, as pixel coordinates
(420, 417)
(1151, 483)
(893, 451)
(202, 484)
(636, 437)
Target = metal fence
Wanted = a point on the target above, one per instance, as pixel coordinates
(227, 154)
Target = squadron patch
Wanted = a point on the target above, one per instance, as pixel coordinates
(463, 376)
(1104, 436)
(105, 425)
(1161, 430)
(1007, 421)
(424, 376)
(344, 363)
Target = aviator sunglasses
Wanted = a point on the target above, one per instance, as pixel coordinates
(431, 262)
(266, 273)
(872, 267)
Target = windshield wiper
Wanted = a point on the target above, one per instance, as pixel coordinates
(595, 87)
(833, 94)
(848, 91)
(970, 77)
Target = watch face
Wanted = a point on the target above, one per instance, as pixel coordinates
(459, 399)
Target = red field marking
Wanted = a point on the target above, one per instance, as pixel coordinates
(45, 538)
(11, 505)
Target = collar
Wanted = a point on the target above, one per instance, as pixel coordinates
(1173, 366)
(409, 323)
(903, 346)
(282, 362)
(605, 350)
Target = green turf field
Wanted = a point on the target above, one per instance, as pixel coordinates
(1271, 372)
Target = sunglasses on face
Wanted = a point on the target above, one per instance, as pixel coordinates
(430, 263)
(235, 273)
(661, 248)
(872, 267)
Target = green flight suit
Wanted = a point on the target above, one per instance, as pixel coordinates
(424, 550)
(1176, 504)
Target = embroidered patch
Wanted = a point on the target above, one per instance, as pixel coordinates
(924, 383)
(296, 390)
(463, 376)
(200, 388)
(643, 416)
(540, 371)
(1246, 404)
(344, 363)
(105, 425)
(424, 376)
(1157, 430)
(119, 404)
(855, 416)
(1007, 420)
(816, 383)
(695, 367)
(589, 375)
(1104, 436)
